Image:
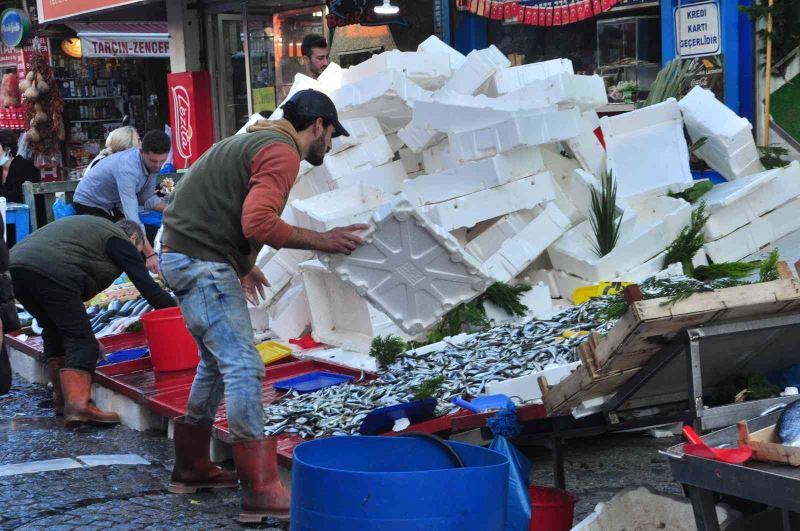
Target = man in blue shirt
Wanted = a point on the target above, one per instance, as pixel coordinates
(117, 185)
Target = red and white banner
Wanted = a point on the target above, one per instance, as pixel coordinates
(124, 47)
(192, 124)
(58, 9)
(537, 12)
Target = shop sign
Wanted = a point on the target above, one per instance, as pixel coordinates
(192, 124)
(31, 47)
(15, 27)
(347, 12)
(57, 9)
(124, 47)
(697, 30)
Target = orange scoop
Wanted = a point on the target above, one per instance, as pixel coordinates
(698, 448)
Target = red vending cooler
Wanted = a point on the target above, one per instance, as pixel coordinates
(192, 123)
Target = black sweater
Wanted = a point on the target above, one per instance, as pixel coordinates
(21, 170)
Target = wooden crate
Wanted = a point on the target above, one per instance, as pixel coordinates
(766, 446)
(649, 325)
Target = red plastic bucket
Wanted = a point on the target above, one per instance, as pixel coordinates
(551, 509)
(172, 347)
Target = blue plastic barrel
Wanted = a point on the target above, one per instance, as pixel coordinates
(396, 484)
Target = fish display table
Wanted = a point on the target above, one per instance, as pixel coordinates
(763, 482)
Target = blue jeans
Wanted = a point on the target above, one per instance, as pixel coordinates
(215, 310)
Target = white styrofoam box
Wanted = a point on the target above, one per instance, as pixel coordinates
(279, 270)
(305, 167)
(563, 89)
(760, 232)
(395, 142)
(387, 97)
(517, 253)
(527, 387)
(567, 284)
(419, 138)
(644, 234)
(537, 300)
(371, 153)
(429, 70)
(250, 121)
(265, 255)
(730, 148)
(542, 276)
(412, 162)
(449, 112)
(645, 140)
(516, 77)
(586, 147)
(471, 209)
(339, 316)
(479, 67)
(331, 78)
(434, 44)
(439, 158)
(574, 196)
(301, 82)
(529, 128)
(488, 242)
(387, 177)
(645, 270)
(338, 208)
(259, 318)
(474, 176)
(348, 358)
(290, 315)
(361, 130)
(736, 203)
(409, 268)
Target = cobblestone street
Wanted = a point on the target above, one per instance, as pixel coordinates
(97, 497)
(135, 496)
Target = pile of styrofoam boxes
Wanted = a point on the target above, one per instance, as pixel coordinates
(751, 212)
(469, 171)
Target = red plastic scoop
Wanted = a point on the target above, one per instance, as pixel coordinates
(698, 448)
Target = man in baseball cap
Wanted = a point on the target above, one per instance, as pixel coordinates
(224, 210)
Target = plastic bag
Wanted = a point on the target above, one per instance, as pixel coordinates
(61, 209)
(519, 504)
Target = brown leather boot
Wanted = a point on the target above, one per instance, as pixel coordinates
(193, 467)
(78, 409)
(54, 366)
(263, 494)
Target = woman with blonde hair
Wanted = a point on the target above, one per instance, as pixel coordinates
(119, 139)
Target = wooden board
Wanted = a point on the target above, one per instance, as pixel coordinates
(649, 325)
(766, 446)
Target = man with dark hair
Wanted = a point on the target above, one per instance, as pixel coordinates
(125, 181)
(315, 54)
(54, 270)
(224, 210)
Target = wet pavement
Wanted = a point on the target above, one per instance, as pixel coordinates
(97, 497)
(135, 496)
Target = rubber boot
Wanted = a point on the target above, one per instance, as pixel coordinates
(54, 366)
(263, 494)
(78, 409)
(193, 467)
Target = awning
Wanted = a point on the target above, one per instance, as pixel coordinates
(123, 39)
(59, 9)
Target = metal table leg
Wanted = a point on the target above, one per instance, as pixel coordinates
(791, 521)
(559, 479)
(705, 511)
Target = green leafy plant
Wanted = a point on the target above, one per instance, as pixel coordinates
(697, 145)
(689, 241)
(507, 297)
(428, 388)
(668, 82)
(769, 267)
(604, 219)
(386, 349)
(726, 270)
(772, 156)
(135, 327)
(693, 194)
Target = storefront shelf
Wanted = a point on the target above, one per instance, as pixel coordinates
(96, 121)
(91, 98)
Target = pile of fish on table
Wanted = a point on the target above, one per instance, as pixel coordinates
(495, 355)
(117, 317)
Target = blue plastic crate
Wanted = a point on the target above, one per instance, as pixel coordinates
(312, 381)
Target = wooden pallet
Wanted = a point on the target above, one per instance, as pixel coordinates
(766, 446)
(649, 325)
